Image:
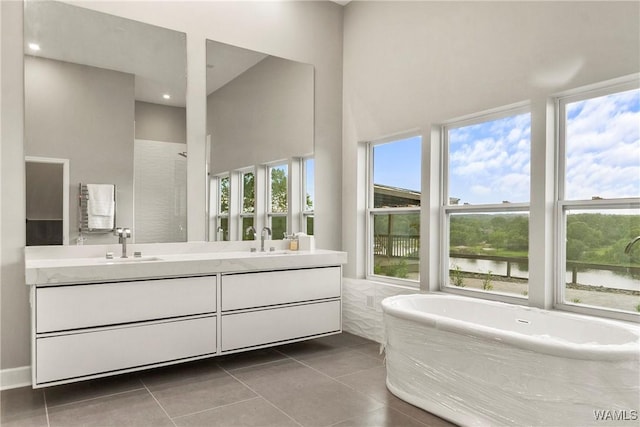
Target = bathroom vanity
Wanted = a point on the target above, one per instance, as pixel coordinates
(94, 317)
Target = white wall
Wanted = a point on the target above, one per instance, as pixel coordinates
(412, 65)
(309, 32)
(263, 115)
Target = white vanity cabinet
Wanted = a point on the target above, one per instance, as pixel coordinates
(262, 308)
(92, 321)
(90, 329)
(60, 308)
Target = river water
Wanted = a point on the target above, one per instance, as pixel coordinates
(608, 279)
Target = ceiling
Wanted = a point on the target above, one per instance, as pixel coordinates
(155, 55)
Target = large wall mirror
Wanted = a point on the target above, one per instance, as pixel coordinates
(106, 95)
(260, 113)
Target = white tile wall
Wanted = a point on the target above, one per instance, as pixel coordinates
(361, 309)
(160, 192)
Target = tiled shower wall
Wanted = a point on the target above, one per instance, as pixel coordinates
(160, 192)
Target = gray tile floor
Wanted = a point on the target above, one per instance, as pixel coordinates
(331, 381)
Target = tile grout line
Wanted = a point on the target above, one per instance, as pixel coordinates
(328, 376)
(356, 372)
(346, 385)
(252, 366)
(379, 401)
(218, 407)
(159, 404)
(97, 397)
(261, 396)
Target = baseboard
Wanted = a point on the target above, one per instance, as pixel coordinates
(15, 377)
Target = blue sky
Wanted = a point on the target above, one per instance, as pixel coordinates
(310, 179)
(490, 162)
(397, 164)
(603, 147)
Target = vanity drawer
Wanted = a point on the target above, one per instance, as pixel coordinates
(241, 330)
(60, 308)
(279, 287)
(88, 353)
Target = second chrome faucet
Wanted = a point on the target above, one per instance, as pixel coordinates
(267, 231)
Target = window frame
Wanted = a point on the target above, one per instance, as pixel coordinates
(306, 213)
(241, 213)
(269, 211)
(447, 209)
(371, 211)
(216, 220)
(562, 205)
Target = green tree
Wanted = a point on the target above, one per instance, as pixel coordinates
(224, 195)
(518, 233)
(278, 190)
(249, 193)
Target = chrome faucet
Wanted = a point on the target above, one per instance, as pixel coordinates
(251, 231)
(627, 250)
(122, 234)
(268, 230)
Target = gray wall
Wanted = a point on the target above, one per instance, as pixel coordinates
(156, 122)
(264, 115)
(84, 114)
(14, 323)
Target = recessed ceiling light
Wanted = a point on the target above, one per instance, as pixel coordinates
(34, 46)
(166, 96)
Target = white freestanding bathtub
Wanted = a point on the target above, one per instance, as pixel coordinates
(477, 362)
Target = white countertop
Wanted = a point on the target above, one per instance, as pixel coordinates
(47, 267)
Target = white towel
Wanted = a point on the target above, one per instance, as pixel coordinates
(100, 206)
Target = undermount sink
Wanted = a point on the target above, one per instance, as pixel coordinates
(276, 252)
(132, 259)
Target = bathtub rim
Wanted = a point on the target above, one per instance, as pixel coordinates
(611, 352)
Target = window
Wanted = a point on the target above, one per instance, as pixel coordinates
(278, 206)
(308, 192)
(222, 223)
(599, 199)
(248, 197)
(486, 203)
(394, 208)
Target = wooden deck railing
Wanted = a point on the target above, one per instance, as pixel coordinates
(408, 246)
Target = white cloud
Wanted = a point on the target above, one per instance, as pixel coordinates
(492, 164)
(603, 147)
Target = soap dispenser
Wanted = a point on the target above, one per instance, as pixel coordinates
(293, 243)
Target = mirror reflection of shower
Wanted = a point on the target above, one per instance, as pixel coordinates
(160, 191)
